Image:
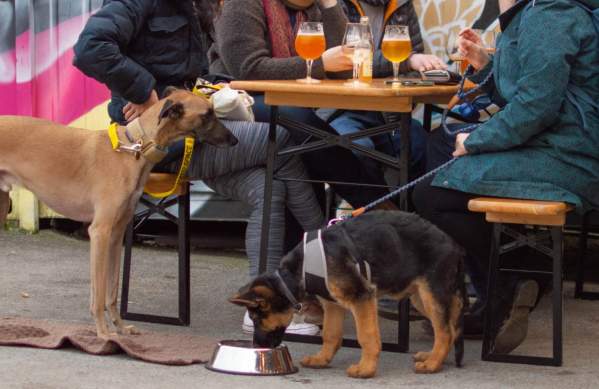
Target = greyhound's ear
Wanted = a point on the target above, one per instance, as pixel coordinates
(171, 110)
(168, 90)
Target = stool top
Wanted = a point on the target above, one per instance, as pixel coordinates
(516, 206)
(163, 182)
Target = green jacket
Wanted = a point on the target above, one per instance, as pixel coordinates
(537, 147)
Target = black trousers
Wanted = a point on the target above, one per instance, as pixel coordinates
(448, 210)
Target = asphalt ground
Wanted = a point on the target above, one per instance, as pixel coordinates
(52, 269)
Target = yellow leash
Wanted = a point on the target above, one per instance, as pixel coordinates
(188, 153)
(189, 143)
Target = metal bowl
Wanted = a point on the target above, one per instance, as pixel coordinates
(241, 357)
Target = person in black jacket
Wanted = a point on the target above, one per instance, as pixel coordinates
(139, 47)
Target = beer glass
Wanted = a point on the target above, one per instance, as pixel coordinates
(453, 53)
(488, 39)
(356, 48)
(310, 44)
(396, 47)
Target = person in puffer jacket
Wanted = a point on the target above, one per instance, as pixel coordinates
(139, 47)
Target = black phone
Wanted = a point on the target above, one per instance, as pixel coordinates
(411, 82)
(441, 76)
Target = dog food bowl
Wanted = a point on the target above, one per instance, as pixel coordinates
(241, 357)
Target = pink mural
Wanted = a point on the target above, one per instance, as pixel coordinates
(37, 77)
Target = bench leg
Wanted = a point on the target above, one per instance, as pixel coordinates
(184, 258)
(183, 318)
(557, 304)
(579, 292)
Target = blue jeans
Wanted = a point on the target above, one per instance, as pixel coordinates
(350, 122)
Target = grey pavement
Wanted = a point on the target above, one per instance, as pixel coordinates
(53, 269)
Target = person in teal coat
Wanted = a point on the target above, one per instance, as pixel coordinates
(542, 145)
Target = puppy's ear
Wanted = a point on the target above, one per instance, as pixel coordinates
(245, 299)
(249, 299)
(171, 110)
(168, 90)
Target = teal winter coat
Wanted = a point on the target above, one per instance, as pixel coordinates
(544, 144)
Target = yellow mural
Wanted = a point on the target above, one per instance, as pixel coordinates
(439, 18)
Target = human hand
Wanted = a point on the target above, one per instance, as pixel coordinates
(133, 111)
(335, 60)
(472, 48)
(422, 62)
(460, 149)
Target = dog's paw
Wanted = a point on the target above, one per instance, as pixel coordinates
(129, 330)
(314, 362)
(421, 356)
(359, 371)
(108, 335)
(427, 367)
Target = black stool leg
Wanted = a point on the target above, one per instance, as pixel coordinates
(184, 265)
(183, 318)
(579, 292)
(491, 288)
(127, 269)
(558, 298)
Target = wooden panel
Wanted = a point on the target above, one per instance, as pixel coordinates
(534, 220)
(368, 103)
(515, 206)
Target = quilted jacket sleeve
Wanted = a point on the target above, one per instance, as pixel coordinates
(99, 51)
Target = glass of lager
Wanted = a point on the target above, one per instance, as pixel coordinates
(396, 47)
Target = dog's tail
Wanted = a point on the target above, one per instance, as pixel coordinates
(4, 208)
(461, 289)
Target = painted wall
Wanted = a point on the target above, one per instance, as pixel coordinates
(36, 74)
(439, 18)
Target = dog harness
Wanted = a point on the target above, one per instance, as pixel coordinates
(314, 272)
(139, 144)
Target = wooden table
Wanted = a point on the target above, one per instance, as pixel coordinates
(334, 94)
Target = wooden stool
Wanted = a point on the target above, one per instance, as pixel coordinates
(551, 215)
(157, 183)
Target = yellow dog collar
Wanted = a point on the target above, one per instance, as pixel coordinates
(149, 154)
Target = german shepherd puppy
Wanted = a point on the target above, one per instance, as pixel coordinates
(408, 256)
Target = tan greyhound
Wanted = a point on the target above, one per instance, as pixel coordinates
(77, 173)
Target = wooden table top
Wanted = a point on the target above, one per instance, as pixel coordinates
(376, 96)
(377, 88)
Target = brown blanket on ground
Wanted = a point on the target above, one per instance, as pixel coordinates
(167, 349)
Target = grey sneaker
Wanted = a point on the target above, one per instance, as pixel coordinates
(514, 329)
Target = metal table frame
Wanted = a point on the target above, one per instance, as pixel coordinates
(375, 98)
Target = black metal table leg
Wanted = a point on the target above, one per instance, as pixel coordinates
(427, 117)
(270, 166)
(404, 158)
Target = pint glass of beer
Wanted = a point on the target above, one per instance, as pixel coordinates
(310, 44)
(396, 47)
